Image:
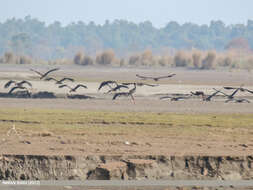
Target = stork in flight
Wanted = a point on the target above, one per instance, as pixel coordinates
(129, 93)
(59, 81)
(118, 87)
(17, 84)
(175, 98)
(154, 78)
(238, 89)
(139, 84)
(107, 83)
(73, 89)
(43, 75)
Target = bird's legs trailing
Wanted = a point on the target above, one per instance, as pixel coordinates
(132, 98)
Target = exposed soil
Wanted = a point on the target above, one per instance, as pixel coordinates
(147, 100)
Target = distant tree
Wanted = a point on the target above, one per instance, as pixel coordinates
(105, 58)
(209, 61)
(238, 43)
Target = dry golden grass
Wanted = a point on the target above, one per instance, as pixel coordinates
(49, 122)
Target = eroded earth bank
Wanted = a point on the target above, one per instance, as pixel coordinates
(124, 167)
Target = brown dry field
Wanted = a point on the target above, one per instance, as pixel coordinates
(147, 100)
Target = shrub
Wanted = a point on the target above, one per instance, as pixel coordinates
(105, 58)
(180, 59)
(209, 61)
(196, 60)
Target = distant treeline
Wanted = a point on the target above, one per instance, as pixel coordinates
(34, 38)
(191, 59)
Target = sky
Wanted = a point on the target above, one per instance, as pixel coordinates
(159, 12)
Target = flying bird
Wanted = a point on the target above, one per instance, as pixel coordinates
(118, 87)
(43, 75)
(140, 84)
(59, 81)
(208, 98)
(17, 83)
(73, 89)
(154, 78)
(238, 100)
(238, 89)
(107, 83)
(17, 87)
(175, 98)
(126, 94)
(198, 93)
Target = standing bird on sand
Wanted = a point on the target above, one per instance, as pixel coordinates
(154, 78)
(59, 81)
(17, 84)
(129, 93)
(43, 75)
(107, 83)
(73, 89)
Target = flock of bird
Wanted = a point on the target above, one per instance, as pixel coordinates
(115, 87)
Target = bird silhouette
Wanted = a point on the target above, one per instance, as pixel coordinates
(175, 98)
(139, 84)
(238, 89)
(154, 78)
(43, 75)
(107, 83)
(59, 81)
(198, 93)
(73, 89)
(238, 100)
(17, 87)
(129, 93)
(118, 87)
(208, 98)
(7, 85)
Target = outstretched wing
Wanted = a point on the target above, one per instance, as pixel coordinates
(165, 97)
(16, 87)
(25, 82)
(39, 73)
(50, 78)
(249, 91)
(144, 77)
(45, 74)
(229, 88)
(79, 85)
(9, 83)
(63, 85)
(106, 83)
(66, 78)
(116, 95)
(167, 76)
(145, 84)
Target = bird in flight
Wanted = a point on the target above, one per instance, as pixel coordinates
(17, 87)
(238, 89)
(107, 83)
(59, 81)
(139, 84)
(126, 94)
(43, 75)
(175, 98)
(118, 87)
(154, 78)
(17, 84)
(73, 89)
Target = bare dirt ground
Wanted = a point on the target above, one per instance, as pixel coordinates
(147, 100)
